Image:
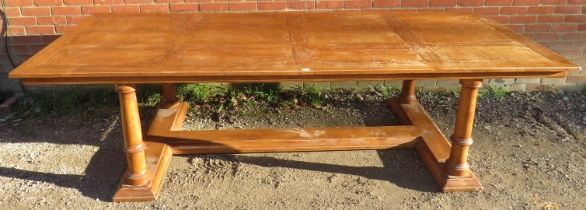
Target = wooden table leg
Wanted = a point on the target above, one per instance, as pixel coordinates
(408, 92)
(146, 161)
(168, 96)
(457, 164)
(137, 174)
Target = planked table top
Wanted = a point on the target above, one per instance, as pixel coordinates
(174, 48)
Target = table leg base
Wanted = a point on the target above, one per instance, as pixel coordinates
(158, 156)
(433, 147)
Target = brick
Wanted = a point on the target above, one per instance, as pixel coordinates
(16, 3)
(517, 28)
(78, 2)
(581, 27)
(513, 10)
(16, 30)
(538, 28)
(550, 19)
(184, 7)
(155, 8)
(125, 9)
(387, 3)
(67, 10)
(358, 4)
(553, 2)
(442, 3)
(544, 36)
(498, 2)
(109, 2)
(415, 3)
(198, 1)
(541, 10)
(272, 5)
(431, 9)
(22, 21)
(51, 20)
(64, 28)
(487, 10)
(97, 9)
(576, 1)
(574, 36)
(39, 30)
(576, 19)
(12, 11)
(138, 1)
(301, 5)
(47, 2)
(564, 27)
(74, 20)
(567, 9)
(329, 5)
(213, 7)
(500, 19)
(460, 10)
(523, 19)
(470, 3)
(242, 6)
(525, 2)
(36, 11)
(168, 1)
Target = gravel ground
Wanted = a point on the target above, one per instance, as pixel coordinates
(529, 153)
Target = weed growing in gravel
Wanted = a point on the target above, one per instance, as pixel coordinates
(52, 102)
(387, 91)
(199, 93)
(500, 93)
(311, 94)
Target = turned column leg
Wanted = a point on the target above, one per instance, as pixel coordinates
(137, 174)
(457, 164)
(168, 96)
(407, 95)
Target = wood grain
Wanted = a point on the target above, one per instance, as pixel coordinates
(177, 48)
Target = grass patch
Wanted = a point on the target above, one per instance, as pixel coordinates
(55, 102)
(497, 92)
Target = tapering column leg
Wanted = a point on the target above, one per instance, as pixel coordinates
(408, 92)
(457, 164)
(137, 173)
(168, 96)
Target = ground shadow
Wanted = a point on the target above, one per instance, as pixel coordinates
(401, 167)
(100, 179)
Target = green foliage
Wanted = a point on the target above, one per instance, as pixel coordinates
(311, 94)
(199, 93)
(39, 103)
(268, 92)
(387, 91)
(497, 92)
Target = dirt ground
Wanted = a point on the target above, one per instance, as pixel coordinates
(529, 153)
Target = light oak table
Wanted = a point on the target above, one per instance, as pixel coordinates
(188, 48)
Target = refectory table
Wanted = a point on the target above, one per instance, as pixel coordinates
(187, 48)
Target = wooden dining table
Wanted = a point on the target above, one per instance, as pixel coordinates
(169, 49)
